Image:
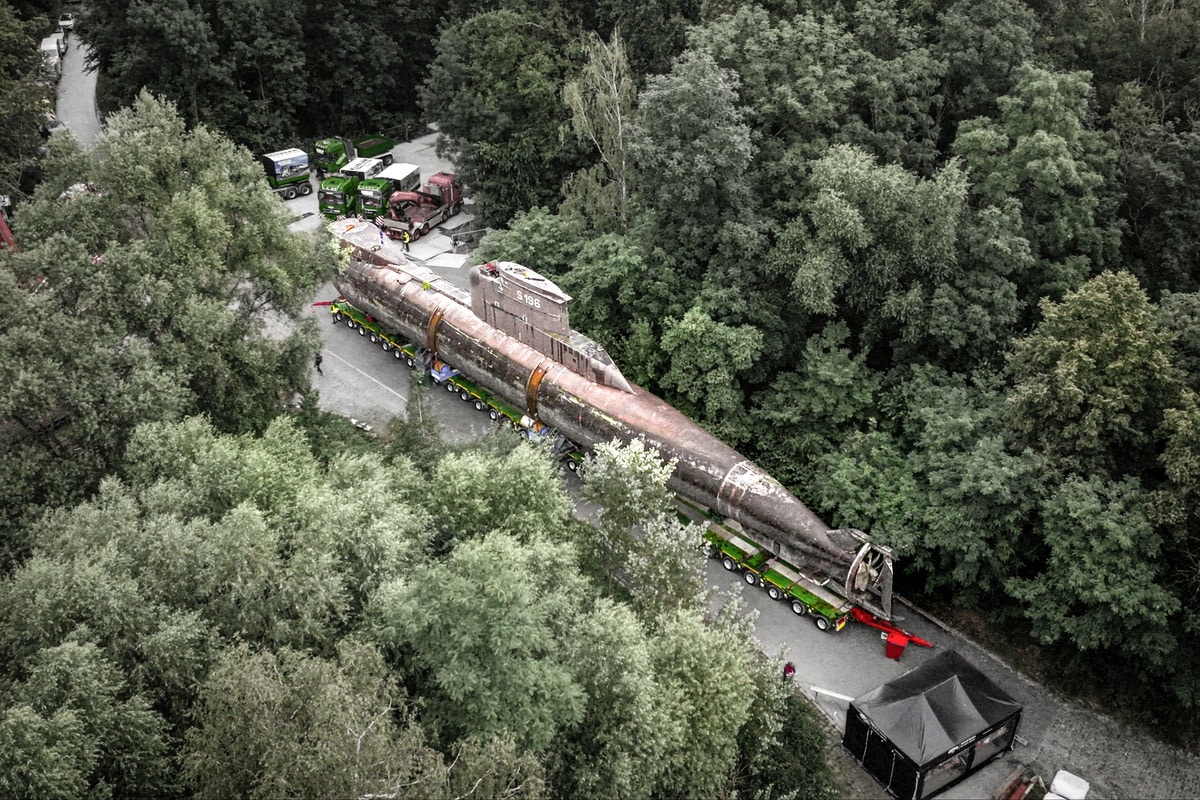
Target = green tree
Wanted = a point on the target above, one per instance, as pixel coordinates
(1044, 153)
(493, 89)
(121, 747)
(873, 244)
(601, 102)
(287, 724)
(480, 634)
(705, 387)
(23, 103)
(1091, 383)
(806, 412)
(1101, 586)
(154, 307)
(616, 749)
(690, 136)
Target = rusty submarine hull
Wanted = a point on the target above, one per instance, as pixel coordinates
(511, 335)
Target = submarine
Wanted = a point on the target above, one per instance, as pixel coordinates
(511, 335)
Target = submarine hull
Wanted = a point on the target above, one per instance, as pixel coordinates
(416, 304)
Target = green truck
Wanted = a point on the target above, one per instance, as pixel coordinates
(330, 155)
(338, 196)
(374, 194)
(783, 581)
(287, 172)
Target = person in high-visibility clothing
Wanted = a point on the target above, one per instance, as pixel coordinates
(405, 238)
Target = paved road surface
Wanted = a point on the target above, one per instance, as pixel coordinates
(76, 104)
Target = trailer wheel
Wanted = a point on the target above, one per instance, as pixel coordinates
(774, 593)
(821, 622)
(383, 343)
(374, 338)
(337, 317)
(425, 229)
(464, 395)
(727, 562)
(493, 414)
(750, 578)
(798, 608)
(412, 362)
(454, 209)
(398, 353)
(362, 331)
(349, 323)
(480, 405)
(289, 193)
(450, 387)
(572, 465)
(305, 189)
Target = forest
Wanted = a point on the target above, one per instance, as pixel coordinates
(927, 263)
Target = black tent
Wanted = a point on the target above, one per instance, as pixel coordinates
(931, 727)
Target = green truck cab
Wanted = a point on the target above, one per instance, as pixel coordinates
(373, 194)
(332, 154)
(287, 172)
(338, 196)
(782, 580)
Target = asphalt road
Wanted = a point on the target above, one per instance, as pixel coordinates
(362, 382)
(76, 104)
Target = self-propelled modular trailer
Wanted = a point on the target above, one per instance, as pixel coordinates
(442, 374)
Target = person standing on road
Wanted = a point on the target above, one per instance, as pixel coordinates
(317, 363)
(789, 670)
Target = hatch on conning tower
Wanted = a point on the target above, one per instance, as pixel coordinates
(532, 309)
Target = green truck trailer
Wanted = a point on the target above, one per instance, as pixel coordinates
(287, 172)
(330, 155)
(759, 566)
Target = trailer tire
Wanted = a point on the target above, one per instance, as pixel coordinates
(349, 323)
(728, 564)
(572, 465)
(798, 608)
(464, 395)
(305, 189)
(409, 360)
(374, 338)
(387, 159)
(398, 353)
(479, 404)
(289, 193)
(493, 414)
(337, 317)
(450, 387)
(821, 623)
(774, 593)
(362, 331)
(750, 578)
(454, 209)
(383, 344)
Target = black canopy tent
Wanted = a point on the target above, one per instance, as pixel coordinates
(931, 727)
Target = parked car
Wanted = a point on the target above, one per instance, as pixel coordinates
(67, 21)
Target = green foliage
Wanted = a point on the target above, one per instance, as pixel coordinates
(807, 412)
(692, 149)
(1100, 587)
(874, 242)
(481, 633)
(601, 101)
(705, 387)
(1092, 381)
(287, 724)
(616, 749)
(154, 308)
(1044, 153)
(494, 89)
